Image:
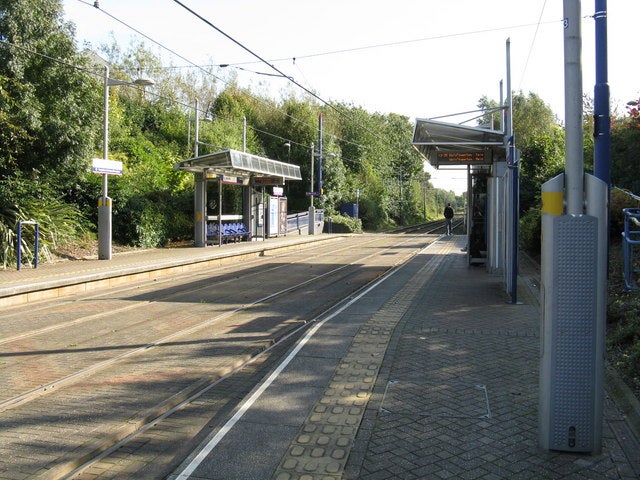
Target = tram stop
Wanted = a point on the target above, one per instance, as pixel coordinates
(489, 212)
(223, 212)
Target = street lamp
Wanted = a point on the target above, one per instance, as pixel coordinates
(104, 203)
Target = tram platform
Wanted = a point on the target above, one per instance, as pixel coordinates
(429, 374)
(61, 278)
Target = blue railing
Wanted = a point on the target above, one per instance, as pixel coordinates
(630, 246)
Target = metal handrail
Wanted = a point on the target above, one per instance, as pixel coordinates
(630, 238)
(19, 243)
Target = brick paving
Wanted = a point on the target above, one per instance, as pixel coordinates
(56, 280)
(440, 382)
(455, 395)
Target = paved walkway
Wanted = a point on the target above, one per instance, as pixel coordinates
(431, 375)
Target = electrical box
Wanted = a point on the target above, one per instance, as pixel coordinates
(572, 333)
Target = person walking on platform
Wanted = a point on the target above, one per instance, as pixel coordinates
(448, 216)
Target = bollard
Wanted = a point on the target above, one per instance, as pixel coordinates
(36, 242)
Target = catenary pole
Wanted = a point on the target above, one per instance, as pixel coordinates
(512, 164)
(602, 121)
(574, 168)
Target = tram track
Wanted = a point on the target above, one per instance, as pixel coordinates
(193, 335)
(49, 387)
(155, 283)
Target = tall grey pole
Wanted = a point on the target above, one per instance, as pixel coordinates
(200, 194)
(312, 191)
(244, 134)
(312, 210)
(501, 104)
(105, 147)
(512, 164)
(574, 168)
(104, 204)
(320, 188)
(196, 131)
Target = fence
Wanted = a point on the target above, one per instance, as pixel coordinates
(297, 222)
(630, 247)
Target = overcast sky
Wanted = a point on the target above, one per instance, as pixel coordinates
(419, 58)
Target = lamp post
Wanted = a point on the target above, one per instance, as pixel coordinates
(104, 203)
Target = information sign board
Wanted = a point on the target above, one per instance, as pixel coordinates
(267, 181)
(462, 157)
(110, 167)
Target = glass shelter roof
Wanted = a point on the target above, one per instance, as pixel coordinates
(448, 144)
(240, 164)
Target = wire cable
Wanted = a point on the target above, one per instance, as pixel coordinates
(404, 42)
(247, 49)
(533, 41)
(96, 5)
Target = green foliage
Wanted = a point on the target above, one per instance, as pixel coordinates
(492, 118)
(60, 223)
(343, 224)
(619, 200)
(153, 219)
(531, 231)
(623, 336)
(532, 118)
(625, 154)
(52, 108)
(541, 160)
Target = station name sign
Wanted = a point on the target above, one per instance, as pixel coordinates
(229, 179)
(107, 167)
(463, 158)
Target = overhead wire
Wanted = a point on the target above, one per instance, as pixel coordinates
(94, 72)
(281, 73)
(247, 49)
(403, 42)
(96, 6)
(533, 41)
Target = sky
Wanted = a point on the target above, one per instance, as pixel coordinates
(419, 58)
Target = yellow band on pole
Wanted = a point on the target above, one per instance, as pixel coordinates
(552, 203)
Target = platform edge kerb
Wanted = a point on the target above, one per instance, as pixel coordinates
(10, 296)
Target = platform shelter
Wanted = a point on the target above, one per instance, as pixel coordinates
(490, 211)
(254, 174)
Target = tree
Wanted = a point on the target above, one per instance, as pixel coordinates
(493, 112)
(625, 151)
(532, 118)
(54, 106)
(541, 159)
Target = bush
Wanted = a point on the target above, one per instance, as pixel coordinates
(154, 220)
(531, 232)
(343, 224)
(59, 224)
(619, 201)
(623, 336)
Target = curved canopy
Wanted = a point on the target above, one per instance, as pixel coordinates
(450, 144)
(241, 165)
